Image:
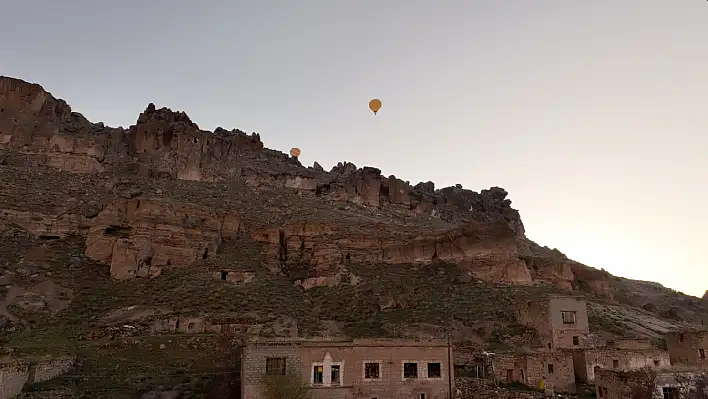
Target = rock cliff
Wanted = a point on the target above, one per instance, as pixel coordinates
(164, 198)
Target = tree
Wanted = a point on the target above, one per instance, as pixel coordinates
(287, 386)
(693, 386)
(642, 384)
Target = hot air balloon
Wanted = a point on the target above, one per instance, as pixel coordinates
(375, 105)
(294, 152)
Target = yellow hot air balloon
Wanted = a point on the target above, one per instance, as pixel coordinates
(375, 105)
(294, 152)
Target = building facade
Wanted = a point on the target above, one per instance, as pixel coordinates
(688, 347)
(614, 358)
(555, 369)
(361, 368)
(561, 321)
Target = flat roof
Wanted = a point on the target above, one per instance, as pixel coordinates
(360, 342)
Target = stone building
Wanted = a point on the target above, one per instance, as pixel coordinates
(669, 382)
(688, 347)
(622, 355)
(555, 368)
(561, 321)
(360, 368)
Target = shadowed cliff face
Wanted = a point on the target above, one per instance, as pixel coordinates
(165, 194)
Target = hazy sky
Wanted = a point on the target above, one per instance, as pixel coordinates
(593, 114)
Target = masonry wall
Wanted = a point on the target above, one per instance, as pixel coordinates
(536, 315)
(618, 384)
(351, 356)
(531, 368)
(685, 347)
(253, 366)
(515, 362)
(391, 359)
(616, 359)
(562, 379)
(14, 375)
(563, 333)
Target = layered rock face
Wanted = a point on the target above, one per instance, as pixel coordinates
(137, 236)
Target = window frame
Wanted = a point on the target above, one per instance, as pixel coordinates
(572, 313)
(427, 370)
(403, 370)
(284, 367)
(378, 368)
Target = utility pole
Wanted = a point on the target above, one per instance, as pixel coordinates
(449, 366)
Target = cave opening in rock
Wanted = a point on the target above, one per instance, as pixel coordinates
(117, 231)
(49, 237)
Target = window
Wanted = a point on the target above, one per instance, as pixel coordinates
(371, 371)
(615, 364)
(318, 375)
(656, 363)
(680, 337)
(410, 370)
(434, 370)
(422, 396)
(576, 341)
(568, 317)
(670, 392)
(702, 353)
(275, 366)
(550, 369)
(336, 375)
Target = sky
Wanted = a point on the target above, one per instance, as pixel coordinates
(592, 114)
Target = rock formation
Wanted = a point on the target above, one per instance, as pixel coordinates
(164, 194)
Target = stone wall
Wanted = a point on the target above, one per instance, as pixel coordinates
(555, 368)
(616, 359)
(688, 347)
(15, 374)
(568, 336)
(350, 356)
(613, 384)
(546, 318)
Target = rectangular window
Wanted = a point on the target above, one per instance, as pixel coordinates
(550, 369)
(336, 376)
(434, 370)
(275, 366)
(702, 353)
(318, 375)
(371, 371)
(656, 363)
(670, 392)
(568, 317)
(410, 370)
(615, 364)
(576, 341)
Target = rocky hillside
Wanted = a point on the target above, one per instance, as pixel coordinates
(105, 227)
